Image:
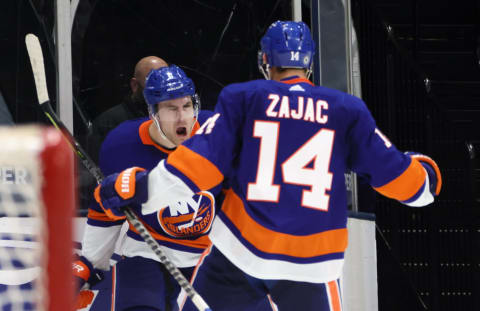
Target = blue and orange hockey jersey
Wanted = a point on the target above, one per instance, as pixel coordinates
(285, 147)
(128, 145)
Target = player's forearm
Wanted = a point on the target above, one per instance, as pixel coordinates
(99, 243)
(417, 185)
(164, 189)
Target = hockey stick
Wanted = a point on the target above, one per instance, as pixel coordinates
(36, 60)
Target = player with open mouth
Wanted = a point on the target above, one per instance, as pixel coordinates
(173, 120)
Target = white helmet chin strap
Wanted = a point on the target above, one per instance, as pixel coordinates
(153, 116)
(159, 128)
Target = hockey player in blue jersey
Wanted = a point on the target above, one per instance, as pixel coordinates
(284, 144)
(139, 281)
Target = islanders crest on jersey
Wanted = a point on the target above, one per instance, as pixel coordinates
(188, 218)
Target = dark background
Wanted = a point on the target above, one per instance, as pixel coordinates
(215, 42)
(420, 78)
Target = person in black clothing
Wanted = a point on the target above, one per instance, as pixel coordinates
(132, 107)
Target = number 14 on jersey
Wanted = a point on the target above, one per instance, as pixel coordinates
(317, 179)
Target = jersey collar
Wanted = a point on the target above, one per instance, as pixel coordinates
(295, 80)
(147, 140)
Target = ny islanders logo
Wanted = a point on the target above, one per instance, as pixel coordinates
(188, 218)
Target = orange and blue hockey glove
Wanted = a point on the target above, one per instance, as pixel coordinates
(434, 175)
(119, 190)
(83, 272)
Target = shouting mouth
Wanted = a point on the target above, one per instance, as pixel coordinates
(182, 131)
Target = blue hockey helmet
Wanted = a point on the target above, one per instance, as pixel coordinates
(286, 44)
(167, 83)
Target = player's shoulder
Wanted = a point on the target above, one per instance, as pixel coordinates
(125, 132)
(248, 86)
(248, 91)
(342, 99)
(128, 125)
(356, 105)
(117, 149)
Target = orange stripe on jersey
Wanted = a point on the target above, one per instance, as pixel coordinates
(273, 242)
(407, 184)
(203, 173)
(195, 128)
(297, 80)
(205, 253)
(143, 132)
(92, 214)
(334, 296)
(114, 287)
(202, 242)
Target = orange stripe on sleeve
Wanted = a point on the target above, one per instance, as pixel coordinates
(273, 242)
(92, 214)
(433, 164)
(407, 184)
(203, 173)
(109, 213)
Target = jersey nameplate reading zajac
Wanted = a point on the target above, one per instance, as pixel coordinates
(307, 109)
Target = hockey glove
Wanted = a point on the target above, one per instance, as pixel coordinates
(83, 272)
(434, 175)
(118, 190)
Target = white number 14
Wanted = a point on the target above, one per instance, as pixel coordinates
(317, 150)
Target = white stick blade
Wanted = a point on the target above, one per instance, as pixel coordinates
(36, 60)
